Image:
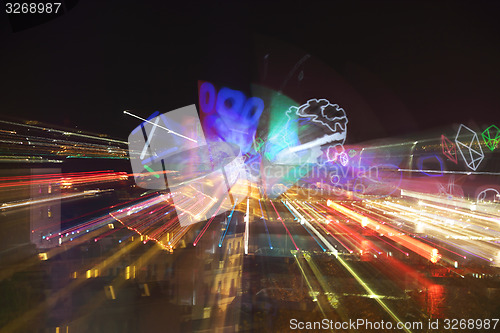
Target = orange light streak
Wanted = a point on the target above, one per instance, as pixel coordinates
(424, 250)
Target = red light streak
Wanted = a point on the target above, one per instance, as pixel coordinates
(326, 230)
(418, 247)
(279, 218)
(338, 240)
(207, 225)
(420, 237)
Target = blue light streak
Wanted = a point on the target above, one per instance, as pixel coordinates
(265, 225)
(227, 225)
(321, 246)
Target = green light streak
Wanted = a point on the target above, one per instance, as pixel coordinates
(331, 295)
(278, 132)
(372, 294)
(311, 290)
(151, 170)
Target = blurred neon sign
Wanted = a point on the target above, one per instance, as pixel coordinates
(228, 115)
(491, 137)
(469, 147)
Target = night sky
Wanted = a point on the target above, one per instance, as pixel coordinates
(413, 65)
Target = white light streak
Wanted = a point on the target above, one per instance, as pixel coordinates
(247, 231)
(166, 129)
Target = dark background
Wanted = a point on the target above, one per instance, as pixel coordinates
(417, 64)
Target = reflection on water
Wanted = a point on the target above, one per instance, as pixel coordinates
(433, 300)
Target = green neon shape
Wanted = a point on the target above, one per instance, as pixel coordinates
(489, 141)
(151, 170)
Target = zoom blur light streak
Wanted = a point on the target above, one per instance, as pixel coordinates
(28, 143)
(470, 227)
(420, 248)
(64, 180)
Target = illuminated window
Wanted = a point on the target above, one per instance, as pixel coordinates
(88, 274)
(42, 256)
